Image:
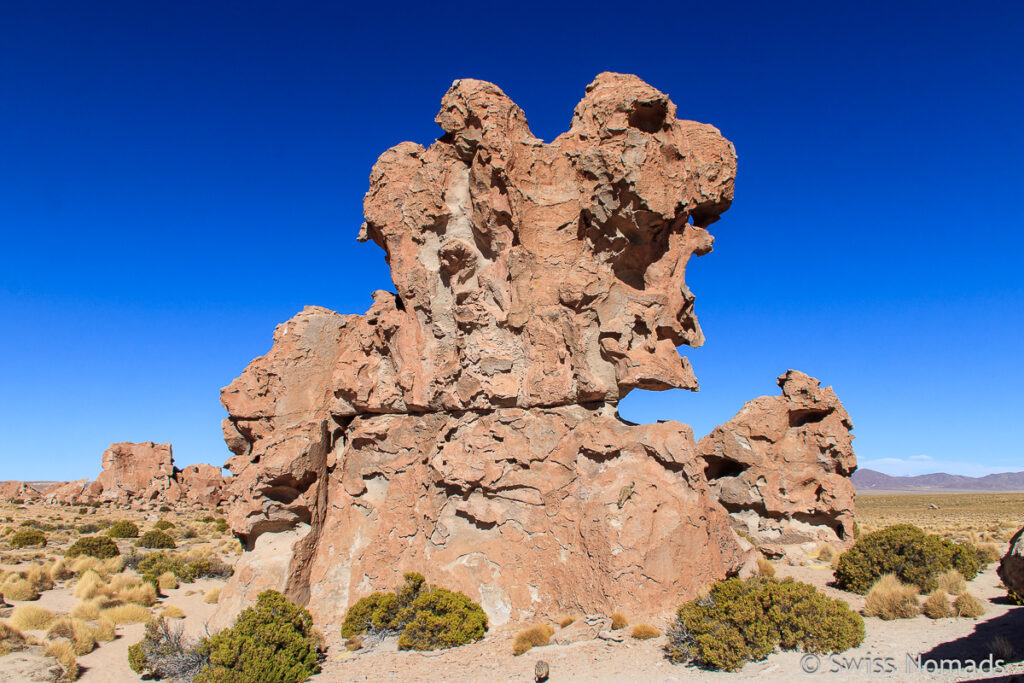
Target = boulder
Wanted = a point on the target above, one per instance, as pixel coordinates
(65, 492)
(1011, 568)
(134, 472)
(17, 490)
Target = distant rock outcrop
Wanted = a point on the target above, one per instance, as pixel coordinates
(466, 425)
(17, 490)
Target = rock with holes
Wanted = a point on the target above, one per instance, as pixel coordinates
(782, 466)
(465, 427)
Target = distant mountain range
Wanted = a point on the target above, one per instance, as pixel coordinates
(868, 481)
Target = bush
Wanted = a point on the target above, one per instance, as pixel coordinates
(163, 525)
(891, 599)
(272, 642)
(123, 529)
(1014, 598)
(31, 618)
(99, 547)
(186, 567)
(165, 652)
(966, 605)
(155, 539)
(535, 636)
(28, 537)
(906, 551)
(88, 528)
(619, 621)
(645, 632)
(65, 654)
(221, 525)
(747, 619)
(427, 617)
(951, 582)
(937, 605)
(164, 508)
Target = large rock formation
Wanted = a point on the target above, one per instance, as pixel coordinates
(782, 466)
(466, 426)
(1011, 568)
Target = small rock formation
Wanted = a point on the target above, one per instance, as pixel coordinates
(466, 427)
(134, 472)
(782, 466)
(1011, 568)
(17, 490)
(65, 492)
(201, 485)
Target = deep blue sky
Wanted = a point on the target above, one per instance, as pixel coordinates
(176, 178)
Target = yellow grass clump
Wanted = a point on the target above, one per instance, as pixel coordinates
(966, 605)
(891, 599)
(212, 596)
(937, 605)
(59, 570)
(566, 621)
(77, 631)
(84, 563)
(764, 566)
(17, 588)
(989, 552)
(87, 609)
(31, 618)
(619, 620)
(827, 553)
(11, 639)
(140, 593)
(127, 614)
(645, 632)
(39, 577)
(65, 654)
(173, 612)
(113, 565)
(104, 630)
(89, 585)
(535, 636)
(952, 582)
(167, 581)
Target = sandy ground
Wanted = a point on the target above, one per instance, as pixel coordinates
(491, 659)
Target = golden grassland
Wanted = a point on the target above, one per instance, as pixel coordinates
(981, 516)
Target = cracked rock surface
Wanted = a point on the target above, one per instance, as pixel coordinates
(466, 426)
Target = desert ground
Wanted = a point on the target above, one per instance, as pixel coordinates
(978, 517)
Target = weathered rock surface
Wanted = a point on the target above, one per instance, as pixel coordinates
(465, 427)
(782, 466)
(136, 472)
(17, 490)
(66, 492)
(1011, 568)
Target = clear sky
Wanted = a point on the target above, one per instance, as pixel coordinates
(176, 178)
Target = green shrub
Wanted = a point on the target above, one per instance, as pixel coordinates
(155, 539)
(28, 537)
(221, 525)
(271, 642)
(744, 620)
(163, 525)
(186, 569)
(87, 528)
(137, 659)
(427, 617)
(165, 508)
(1014, 598)
(123, 529)
(94, 546)
(906, 551)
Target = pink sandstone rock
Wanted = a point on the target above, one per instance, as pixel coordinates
(17, 490)
(135, 472)
(66, 492)
(465, 427)
(782, 466)
(1011, 568)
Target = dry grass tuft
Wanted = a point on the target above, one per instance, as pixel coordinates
(891, 599)
(952, 582)
(11, 639)
(140, 593)
(212, 596)
(966, 605)
(104, 630)
(619, 620)
(173, 612)
(937, 605)
(31, 618)
(354, 643)
(84, 563)
(90, 585)
(645, 632)
(65, 654)
(764, 566)
(535, 636)
(989, 552)
(78, 632)
(59, 570)
(566, 621)
(87, 609)
(827, 553)
(17, 588)
(168, 581)
(127, 614)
